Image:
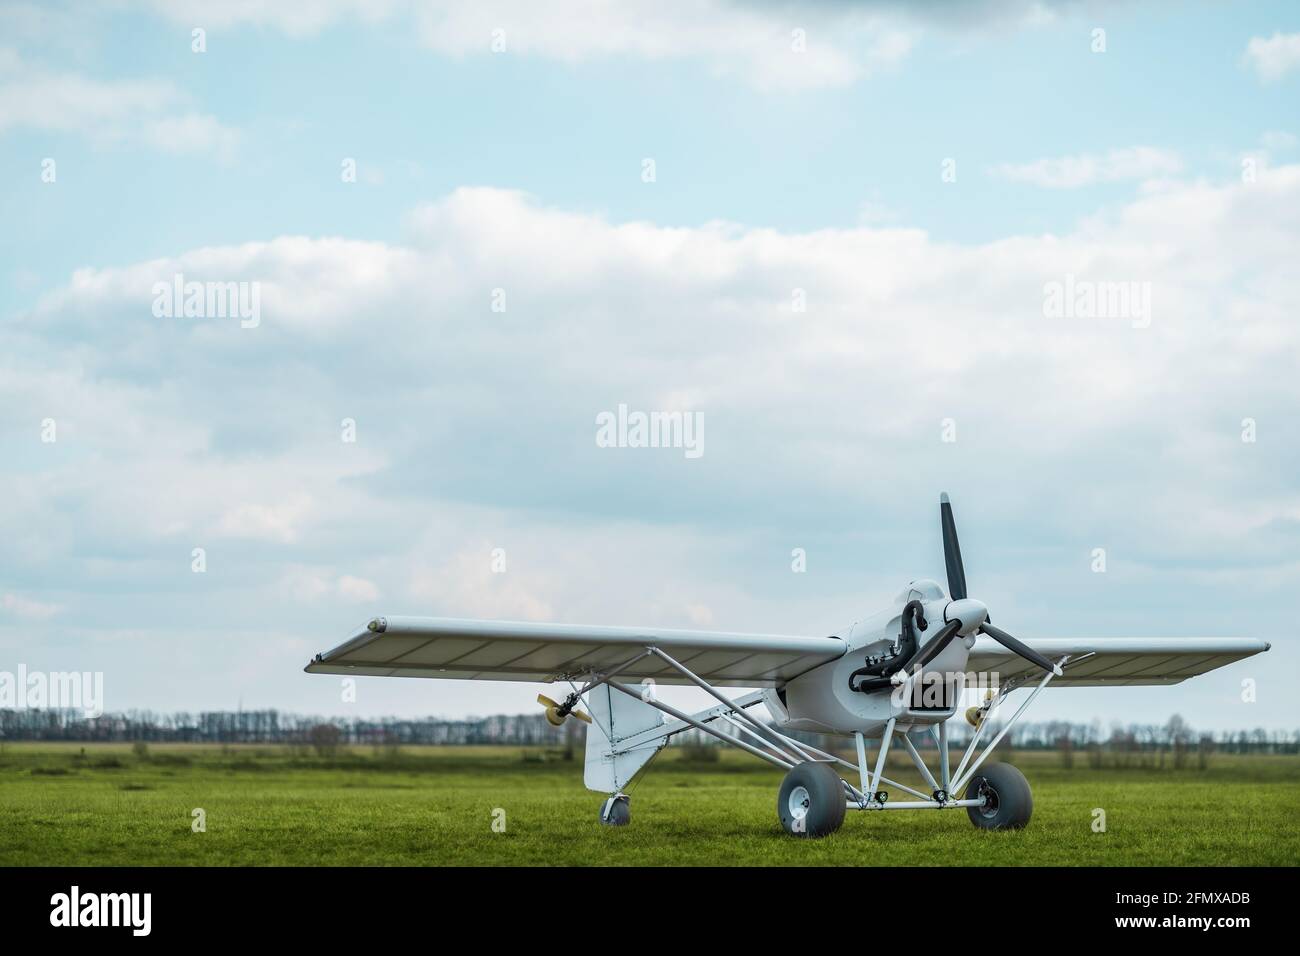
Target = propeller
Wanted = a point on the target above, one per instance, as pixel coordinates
(975, 715)
(931, 649)
(952, 550)
(555, 712)
(1018, 647)
(957, 590)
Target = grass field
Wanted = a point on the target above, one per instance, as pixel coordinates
(106, 805)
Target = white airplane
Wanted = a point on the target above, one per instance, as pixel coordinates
(897, 673)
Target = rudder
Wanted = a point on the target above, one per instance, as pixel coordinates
(615, 718)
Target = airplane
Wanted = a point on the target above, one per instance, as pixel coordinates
(898, 673)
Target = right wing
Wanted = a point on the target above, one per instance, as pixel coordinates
(1111, 661)
(521, 651)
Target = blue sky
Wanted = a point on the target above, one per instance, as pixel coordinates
(522, 170)
(575, 133)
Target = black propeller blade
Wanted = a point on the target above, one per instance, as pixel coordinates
(932, 647)
(952, 551)
(1024, 650)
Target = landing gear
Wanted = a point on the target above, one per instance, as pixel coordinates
(616, 811)
(1008, 803)
(811, 800)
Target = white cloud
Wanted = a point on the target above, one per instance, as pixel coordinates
(32, 96)
(1273, 57)
(300, 18)
(466, 581)
(700, 615)
(149, 111)
(279, 522)
(475, 428)
(310, 585)
(305, 585)
(1277, 139)
(358, 589)
(27, 608)
(630, 290)
(192, 133)
(1072, 172)
(768, 47)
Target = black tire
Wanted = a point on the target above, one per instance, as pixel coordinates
(616, 814)
(811, 801)
(1009, 804)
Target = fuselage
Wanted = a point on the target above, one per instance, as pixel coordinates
(821, 701)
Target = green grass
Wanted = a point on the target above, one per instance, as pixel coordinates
(434, 806)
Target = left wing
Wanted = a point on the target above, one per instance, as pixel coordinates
(520, 651)
(1119, 661)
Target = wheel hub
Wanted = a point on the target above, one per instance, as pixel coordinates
(799, 803)
(990, 806)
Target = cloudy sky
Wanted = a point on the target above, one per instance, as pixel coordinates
(841, 235)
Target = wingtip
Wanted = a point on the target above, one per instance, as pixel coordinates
(943, 498)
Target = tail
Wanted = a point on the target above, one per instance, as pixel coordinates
(612, 763)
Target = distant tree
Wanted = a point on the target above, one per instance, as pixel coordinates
(388, 744)
(1095, 755)
(1177, 728)
(1204, 748)
(571, 732)
(325, 739)
(1066, 746)
(699, 752)
(1178, 734)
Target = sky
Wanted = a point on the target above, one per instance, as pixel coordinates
(1041, 256)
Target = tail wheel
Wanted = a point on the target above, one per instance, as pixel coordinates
(1008, 804)
(811, 801)
(616, 811)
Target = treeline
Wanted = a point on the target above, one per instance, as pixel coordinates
(1175, 733)
(1139, 741)
(275, 727)
(1138, 744)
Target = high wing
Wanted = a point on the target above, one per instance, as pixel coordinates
(509, 650)
(1115, 661)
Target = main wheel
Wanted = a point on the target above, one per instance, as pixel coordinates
(616, 811)
(1008, 804)
(811, 800)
